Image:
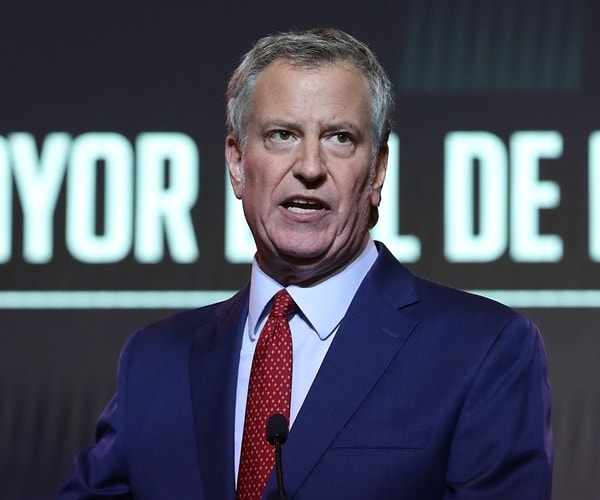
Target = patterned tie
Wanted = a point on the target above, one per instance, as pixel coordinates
(269, 392)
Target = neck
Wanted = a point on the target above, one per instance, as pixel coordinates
(288, 270)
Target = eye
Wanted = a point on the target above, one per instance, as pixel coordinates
(342, 138)
(280, 135)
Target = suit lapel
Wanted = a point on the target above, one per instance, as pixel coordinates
(213, 377)
(370, 336)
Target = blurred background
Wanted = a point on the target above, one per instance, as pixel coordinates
(115, 209)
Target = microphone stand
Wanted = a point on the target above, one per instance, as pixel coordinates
(277, 433)
(279, 470)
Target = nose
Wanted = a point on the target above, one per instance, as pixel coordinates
(310, 164)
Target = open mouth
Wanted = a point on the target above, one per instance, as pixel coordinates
(303, 206)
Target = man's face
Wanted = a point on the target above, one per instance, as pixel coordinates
(306, 175)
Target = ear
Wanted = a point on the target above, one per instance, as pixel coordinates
(233, 155)
(379, 175)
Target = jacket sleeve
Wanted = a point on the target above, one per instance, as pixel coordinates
(101, 471)
(502, 447)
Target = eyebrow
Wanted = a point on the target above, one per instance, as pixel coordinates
(340, 126)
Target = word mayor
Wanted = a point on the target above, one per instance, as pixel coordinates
(146, 216)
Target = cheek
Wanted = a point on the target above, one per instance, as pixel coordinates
(375, 197)
(253, 180)
(257, 187)
(239, 185)
(357, 207)
(254, 171)
(362, 193)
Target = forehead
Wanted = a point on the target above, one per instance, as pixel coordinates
(283, 84)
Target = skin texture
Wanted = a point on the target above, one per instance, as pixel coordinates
(306, 174)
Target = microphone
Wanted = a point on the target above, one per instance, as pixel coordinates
(277, 434)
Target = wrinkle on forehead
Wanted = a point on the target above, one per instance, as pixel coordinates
(288, 95)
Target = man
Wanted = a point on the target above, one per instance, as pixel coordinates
(400, 388)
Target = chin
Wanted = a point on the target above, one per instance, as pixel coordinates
(302, 245)
(302, 254)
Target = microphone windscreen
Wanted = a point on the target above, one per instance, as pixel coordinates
(277, 429)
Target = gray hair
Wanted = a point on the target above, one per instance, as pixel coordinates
(309, 50)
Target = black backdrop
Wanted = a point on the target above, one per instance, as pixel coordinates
(495, 188)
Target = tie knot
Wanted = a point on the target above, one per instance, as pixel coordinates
(283, 304)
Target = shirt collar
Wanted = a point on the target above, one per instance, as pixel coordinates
(322, 305)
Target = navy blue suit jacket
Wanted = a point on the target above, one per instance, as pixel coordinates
(426, 393)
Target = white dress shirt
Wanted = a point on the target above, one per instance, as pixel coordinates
(321, 309)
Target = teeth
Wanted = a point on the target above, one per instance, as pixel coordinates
(299, 210)
(303, 206)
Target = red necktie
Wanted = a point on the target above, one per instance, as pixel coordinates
(269, 392)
